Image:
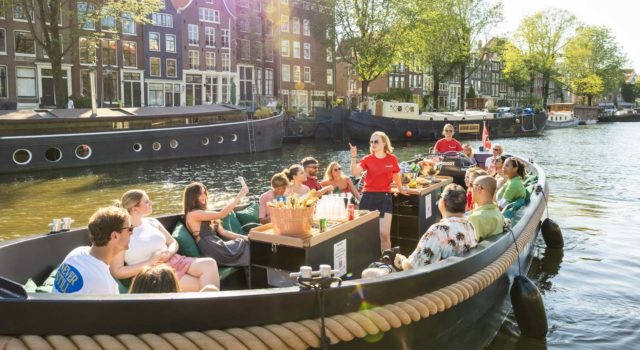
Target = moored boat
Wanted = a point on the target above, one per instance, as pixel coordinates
(561, 116)
(50, 139)
(631, 115)
(403, 122)
(457, 303)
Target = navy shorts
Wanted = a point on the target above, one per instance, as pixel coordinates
(380, 201)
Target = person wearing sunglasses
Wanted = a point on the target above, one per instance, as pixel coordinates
(496, 151)
(382, 168)
(85, 270)
(152, 244)
(341, 184)
(447, 143)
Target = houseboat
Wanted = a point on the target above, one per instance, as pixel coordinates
(63, 138)
(458, 303)
(561, 116)
(404, 122)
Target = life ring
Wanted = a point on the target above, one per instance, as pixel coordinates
(408, 134)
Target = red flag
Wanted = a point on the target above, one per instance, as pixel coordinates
(485, 136)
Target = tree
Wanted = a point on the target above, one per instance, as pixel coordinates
(628, 92)
(368, 34)
(542, 37)
(517, 71)
(593, 53)
(51, 20)
(470, 19)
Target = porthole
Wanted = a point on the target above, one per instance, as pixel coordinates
(173, 143)
(137, 147)
(22, 156)
(156, 146)
(205, 141)
(83, 151)
(220, 139)
(53, 154)
(235, 138)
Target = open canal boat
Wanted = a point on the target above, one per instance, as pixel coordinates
(458, 303)
(49, 139)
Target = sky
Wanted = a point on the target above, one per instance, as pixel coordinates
(621, 16)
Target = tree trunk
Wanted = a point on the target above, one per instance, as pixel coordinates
(436, 90)
(463, 67)
(545, 89)
(589, 100)
(363, 92)
(59, 84)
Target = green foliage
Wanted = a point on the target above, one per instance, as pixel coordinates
(400, 95)
(590, 85)
(471, 93)
(628, 92)
(263, 112)
(81, 101)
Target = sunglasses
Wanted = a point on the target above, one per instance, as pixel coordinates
(448, 131)
(374, 142)
(130, 228)
(337, 169)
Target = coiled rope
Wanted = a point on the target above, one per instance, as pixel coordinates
(295, 335)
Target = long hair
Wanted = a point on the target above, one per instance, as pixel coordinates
(519, 165)
(328, 174)
(159, 278)
(293, 171)
(385, 140)
(190, 197)
(131, 199)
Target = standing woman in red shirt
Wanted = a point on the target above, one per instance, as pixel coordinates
(448, 143)
(382, 168)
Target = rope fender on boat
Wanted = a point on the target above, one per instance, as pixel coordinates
(295, 335)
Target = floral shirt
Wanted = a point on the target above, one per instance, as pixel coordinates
(452, 236)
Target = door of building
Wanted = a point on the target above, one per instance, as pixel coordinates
(49, 90)
(132, 93)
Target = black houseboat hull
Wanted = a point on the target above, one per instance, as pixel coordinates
(468, 322)
(55, 151)
(632, 117)
(362, 124)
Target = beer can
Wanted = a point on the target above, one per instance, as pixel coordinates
(323, 225)
(351, 211)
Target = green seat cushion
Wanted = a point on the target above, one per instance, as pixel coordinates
(231, 223)
(249, 215)
(531, 179)
(30, 286)
(186, 244)
(227, 271)
(510, 210)
(47, 285)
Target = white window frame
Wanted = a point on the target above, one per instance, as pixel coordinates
(35, 82)
(208, 15)
(296, 49)
(306, 51)
(20, 53)
(329, 76)
(307, 74)
(329, 54)
(209, 32)
(268, 82)
(5, 41)
(286, 69)
(159, 44)
(284, 23)
(225, 34)
(283, 44)
(193, 32)
(306, 27)
(207, 55)
(159, 19)
(167, 48)
(225, 60)
(127, 18)
(6, 80)
(159, 60)
(297, 73)
(194, 55)
(295, 25)
(175, 64)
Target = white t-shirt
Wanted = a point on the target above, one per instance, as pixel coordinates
(145, 241)
(82, 273)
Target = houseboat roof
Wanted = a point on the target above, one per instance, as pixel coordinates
(41, 114)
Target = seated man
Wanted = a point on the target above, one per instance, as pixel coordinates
(486, 217)
(85, 270)
(279, 184)
(310, 166)
(454, 235)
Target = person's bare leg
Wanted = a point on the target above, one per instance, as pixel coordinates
(206, 270)
(385, 232)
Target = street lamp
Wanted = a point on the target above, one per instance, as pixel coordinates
(92, 82)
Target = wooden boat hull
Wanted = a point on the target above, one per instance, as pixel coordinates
(119, 146)
(362, 124)
(469, 323)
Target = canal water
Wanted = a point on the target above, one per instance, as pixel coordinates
(591, 290)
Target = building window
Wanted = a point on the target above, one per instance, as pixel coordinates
(307, 51)
(194, 59)
(84, 8)
(284, 48)
(171, 68)
(259, 81)
(307, 74)
(286, 73)
(245, 49)
(306, 28)
(209, 15)
(268, 82)
(225, 38)
(3, 9)
(25, 44)
(296, 73)
(156, 93)
(210, 60)
(243, 26)
(170, 42)
(296, 49)
(226, 89)
(110, 87)
(128, 24)
(193, 34)
(284, 23)
(162, 20)
(211, 89)
(226, 61)
(109, 52)
(87, 52)
(129, 54)
(329, 54)
(154, 67)
(258, 50)
(330, 76)
(108, 24)
(154, 41)
(85, 82)
(3, 41)
(284, 2)
(210, 36)
(268, 50)
(295, 25)
(3, 81)
(26, 82)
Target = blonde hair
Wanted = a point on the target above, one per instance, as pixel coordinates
(445, 128)
(131, 199)
(328, 175)
(385, 140)
(468, 147)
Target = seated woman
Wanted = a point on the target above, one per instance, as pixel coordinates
(447, 143)
(454, 235)
(514, 171)
(197, 218)
(341, 184)
(468, 152)
(151, 244)
(296, 176)
(470, 175)
(279, 185)
(159, 278)
(498, 171)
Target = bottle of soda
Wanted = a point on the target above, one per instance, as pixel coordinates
(351, 211)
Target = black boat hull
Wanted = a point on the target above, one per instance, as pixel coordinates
(467, 324)
(362, 124)
(119, 146)
(633, 117)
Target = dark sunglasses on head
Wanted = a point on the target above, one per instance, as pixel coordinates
(374, 142)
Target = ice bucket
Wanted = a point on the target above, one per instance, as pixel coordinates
(292, 222)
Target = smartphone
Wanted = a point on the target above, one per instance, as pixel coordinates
(242, 183)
